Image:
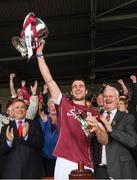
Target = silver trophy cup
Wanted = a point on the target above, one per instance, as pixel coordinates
(84, 125)
(20, 42)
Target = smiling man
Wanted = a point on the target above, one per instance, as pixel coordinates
(73, 144)
(117, 161)
(21, 142)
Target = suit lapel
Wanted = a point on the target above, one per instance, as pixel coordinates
(13, 125)
(117, 118)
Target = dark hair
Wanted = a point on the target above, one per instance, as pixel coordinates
(124, 101)
(101, 90)
(45, 109)
(126, 96)
(79, 79)
(18, 100)
(9, 103)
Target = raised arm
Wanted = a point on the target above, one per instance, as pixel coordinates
(11, 84)
(133, 98)
(25, 92)
(52, 86)
(45, 94)
(33, 106)
(125, 89)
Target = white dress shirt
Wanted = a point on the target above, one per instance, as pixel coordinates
(112, 114)
(17, 124)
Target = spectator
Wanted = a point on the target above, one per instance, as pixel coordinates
(117, 161)
(21, 142)
(14, 94)
(123, 105)
(123, 90)
(50, 132)
(100, 103)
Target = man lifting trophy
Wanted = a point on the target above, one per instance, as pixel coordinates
(34, 30)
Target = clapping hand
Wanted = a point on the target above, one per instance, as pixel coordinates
(25, 129)
(93, 123)
(43, 116)
(9, 134)
(106, 123)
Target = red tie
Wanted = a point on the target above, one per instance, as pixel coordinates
(20, 128)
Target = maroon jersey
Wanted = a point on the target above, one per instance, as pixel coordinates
(72, 143)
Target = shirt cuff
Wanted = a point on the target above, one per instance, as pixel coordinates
(9, 143)
(26, 137)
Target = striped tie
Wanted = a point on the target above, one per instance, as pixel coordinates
(108, 115)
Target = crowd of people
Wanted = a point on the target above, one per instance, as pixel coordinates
(47, 135)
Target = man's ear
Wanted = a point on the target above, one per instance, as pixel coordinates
(86, 92)
(71, 92)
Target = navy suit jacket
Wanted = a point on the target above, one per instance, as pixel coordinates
(23, 159)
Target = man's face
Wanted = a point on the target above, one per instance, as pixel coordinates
(19, 110)
(100, 100)
(19, 92)
(121, 106)
(110, 100)
(51, 107)
(10, 111)
(78, 90)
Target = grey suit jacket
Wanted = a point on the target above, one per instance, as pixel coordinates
(120, 162)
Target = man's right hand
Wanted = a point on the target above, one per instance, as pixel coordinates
(12, 75)
(23, 83)
(107, 125)
(9, 134)
(133, 78)
(120, 81)
(43, 116)
(34, 88)
(40, 47)
(25, 129)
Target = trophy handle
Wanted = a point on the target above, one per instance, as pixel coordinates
(19, 44)
(28, 15)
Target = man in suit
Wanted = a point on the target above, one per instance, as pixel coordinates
(21, 149)
(116, 161)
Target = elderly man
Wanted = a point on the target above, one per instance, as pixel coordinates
(117, 161)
